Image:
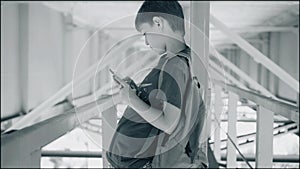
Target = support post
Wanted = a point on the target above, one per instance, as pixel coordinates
(232, 113)
(264, 138)
(199, 18)
(109, 123)
(217, 121)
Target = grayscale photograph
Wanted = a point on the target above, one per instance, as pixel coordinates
(150, 84)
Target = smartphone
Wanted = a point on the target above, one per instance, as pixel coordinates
(115, 76)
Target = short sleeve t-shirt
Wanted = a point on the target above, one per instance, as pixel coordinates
(128, 144)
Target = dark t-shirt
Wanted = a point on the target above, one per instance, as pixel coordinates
(132, 129)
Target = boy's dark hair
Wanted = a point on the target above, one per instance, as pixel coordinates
(169, 10)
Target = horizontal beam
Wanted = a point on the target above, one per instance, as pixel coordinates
(73, 154)
(258, 29)
(257, 55)
(3, 119)
(276, 158)
(255, 29)
(288, 111)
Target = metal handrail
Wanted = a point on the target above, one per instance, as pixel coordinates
(73, 154)
(289, 111)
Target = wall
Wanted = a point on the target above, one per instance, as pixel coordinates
(39, 55)
(10, 66)
(289, 61)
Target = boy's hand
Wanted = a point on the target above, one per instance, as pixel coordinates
(126, 92)
(128, 80)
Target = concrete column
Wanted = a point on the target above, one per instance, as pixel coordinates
(199, 17)
(23, 51)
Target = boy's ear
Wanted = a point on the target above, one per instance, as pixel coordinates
(157, 21)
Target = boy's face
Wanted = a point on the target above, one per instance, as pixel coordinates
(154, 37)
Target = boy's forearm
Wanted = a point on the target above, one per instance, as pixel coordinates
(149, 113)
(164, 120)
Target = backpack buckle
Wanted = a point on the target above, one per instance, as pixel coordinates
(195, 79)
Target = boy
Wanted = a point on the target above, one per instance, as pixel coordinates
(161, 126)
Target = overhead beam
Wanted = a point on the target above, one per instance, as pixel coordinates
(255, 29)
(258, 29)
(257, 55)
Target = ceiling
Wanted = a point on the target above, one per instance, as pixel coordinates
(234, 14)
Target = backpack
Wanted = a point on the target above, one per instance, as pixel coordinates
(194, 122)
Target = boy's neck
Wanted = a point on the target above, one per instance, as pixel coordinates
(175, 46)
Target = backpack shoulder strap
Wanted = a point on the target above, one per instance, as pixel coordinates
(193, 77)
(160, 78)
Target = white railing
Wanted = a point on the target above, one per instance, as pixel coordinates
(267, 107)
